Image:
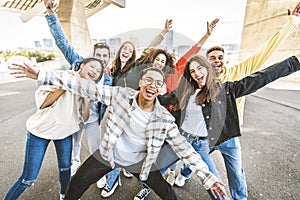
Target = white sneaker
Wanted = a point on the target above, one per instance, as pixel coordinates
(180, 180)
(143, 193)
(171, 177)
(61, 197)
(101, 183)
(75, 165)
(106, 192)
(127, 173)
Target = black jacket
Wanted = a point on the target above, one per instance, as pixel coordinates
(221, 115)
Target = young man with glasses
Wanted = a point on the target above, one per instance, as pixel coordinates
(136, 128)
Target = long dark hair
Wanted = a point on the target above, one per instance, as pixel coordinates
(187, 85)
(116, 65)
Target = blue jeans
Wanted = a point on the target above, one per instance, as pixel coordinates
(232, 154)
(113, 175)
(34, 155)
(202, 148)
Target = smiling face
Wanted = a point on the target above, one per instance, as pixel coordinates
(91, 70)
(103, 55)
(160, 61)
(150, 85)
(198, 73)
(126, 52)
(216, 60)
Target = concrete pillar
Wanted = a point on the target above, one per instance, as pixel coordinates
(73, 20)
(262, 19)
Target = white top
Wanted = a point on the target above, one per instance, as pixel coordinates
(194, 121)
(57, 121)
(94, 107)
(130, 148)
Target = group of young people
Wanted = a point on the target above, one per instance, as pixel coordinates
(145, 114)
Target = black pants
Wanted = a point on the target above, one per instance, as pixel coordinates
(95, 167)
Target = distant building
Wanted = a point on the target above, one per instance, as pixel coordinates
(182, 49)
(94, 41)
(169, 40)
(37, 44)
(48, 43)
(231, 53)
(115, 44)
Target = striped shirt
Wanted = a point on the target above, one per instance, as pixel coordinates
(161, 127)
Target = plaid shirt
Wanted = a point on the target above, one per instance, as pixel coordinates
(161, 127)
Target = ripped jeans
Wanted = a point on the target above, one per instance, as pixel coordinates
(34, 155)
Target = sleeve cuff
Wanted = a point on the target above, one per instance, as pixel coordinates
(208, 180)
(294, 19)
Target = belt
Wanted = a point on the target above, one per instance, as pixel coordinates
(193, 137)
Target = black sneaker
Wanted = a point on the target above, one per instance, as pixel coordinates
(143, 193)
(106, 192)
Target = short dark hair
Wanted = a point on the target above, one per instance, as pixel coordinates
(214, 48)
(101, 45)
(149, 67)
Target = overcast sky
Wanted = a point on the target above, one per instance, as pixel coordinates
(189, 18)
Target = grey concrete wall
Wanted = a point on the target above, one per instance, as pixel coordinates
(262, 19)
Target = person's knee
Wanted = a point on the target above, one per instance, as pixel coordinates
(28, 183)
(65, 169)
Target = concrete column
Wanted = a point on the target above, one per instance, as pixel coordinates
(73, 20)
(262, 19)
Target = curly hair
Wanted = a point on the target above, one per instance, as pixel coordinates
(150, 54)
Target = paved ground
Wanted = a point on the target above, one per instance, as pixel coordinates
(270, 144)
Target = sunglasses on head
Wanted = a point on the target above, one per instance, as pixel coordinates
(101, 44)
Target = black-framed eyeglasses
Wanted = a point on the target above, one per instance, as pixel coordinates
(149, 81)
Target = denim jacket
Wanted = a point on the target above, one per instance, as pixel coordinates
(221, 115)
(69, 53)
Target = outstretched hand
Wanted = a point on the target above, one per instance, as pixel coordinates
(217, 189)
(296, 11)
(24, 71)
(211, 25)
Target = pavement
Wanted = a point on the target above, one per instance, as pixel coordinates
(282, 90)
(5, 76)
(279, 92)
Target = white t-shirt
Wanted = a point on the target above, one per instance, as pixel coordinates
(57, 121)
(130, 148)
(194, 121)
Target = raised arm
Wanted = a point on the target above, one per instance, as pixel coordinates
(261, 78)
(160, 37)
(259, 57)
(196, 48)
(59, 36)
(155, 42)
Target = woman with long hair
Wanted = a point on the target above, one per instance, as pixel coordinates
(205, 109)
(57, 118)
